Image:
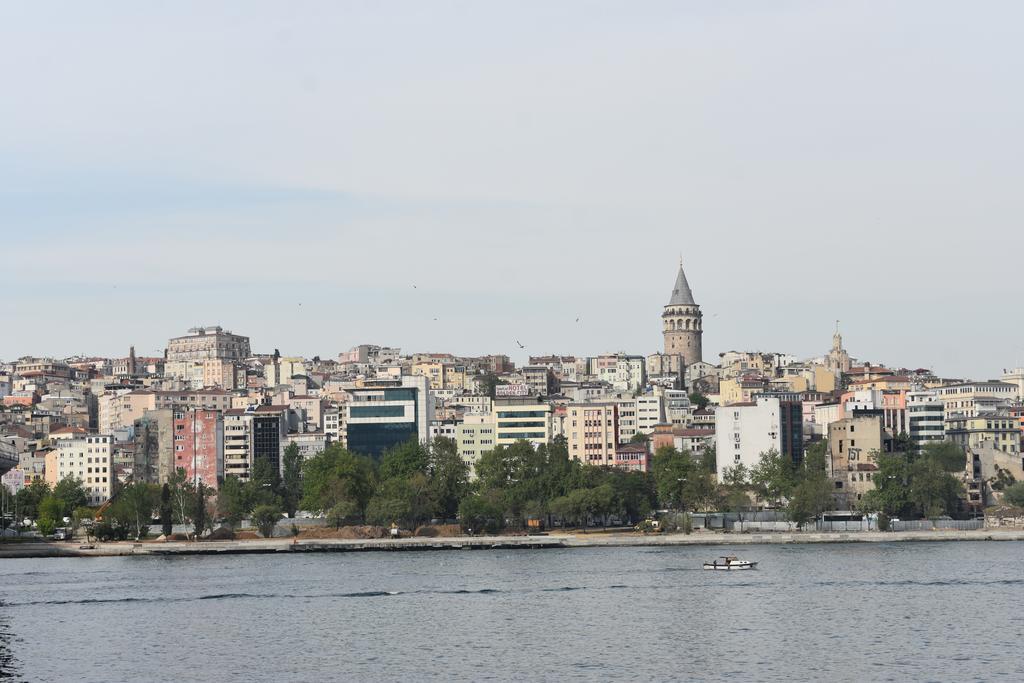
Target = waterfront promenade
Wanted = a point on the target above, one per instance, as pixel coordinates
(558, 540)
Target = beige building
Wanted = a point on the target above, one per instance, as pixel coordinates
(86, 457)
(474, 436)
(203, 343)
(121, 409)
(237, 434)
(853, 443)
(999, 432)
(971, 399)
(280, 371)
(591, 430)
(741, 389)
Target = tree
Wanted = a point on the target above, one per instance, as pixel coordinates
(892, 482)
(383, 511)
(449, 477)
(774, 477)
(232, 503)
(947, 455)
(902, 443)
(265, 518)
(400, 499)
(700, 400)
(71, 494)
(404, 460)
(166, 511)
(481, 512)
(344, 512)
(812, 494)
(734, 490)
(264, 475)
(200, 494)
(334, 475)
(27, 500)
(51, 513)
(1014, 494)
(291, 482)
(933, 490)
(640, 437)
(134, 507)
(671, 470)
(180, 496)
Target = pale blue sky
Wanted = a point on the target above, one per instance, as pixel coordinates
(523, 164)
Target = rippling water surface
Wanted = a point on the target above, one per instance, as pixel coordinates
(898, 612)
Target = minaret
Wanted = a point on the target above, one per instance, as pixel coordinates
(682, 324)
(131, 361)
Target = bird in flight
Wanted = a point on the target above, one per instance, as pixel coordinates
(577, 319)
(520, 344)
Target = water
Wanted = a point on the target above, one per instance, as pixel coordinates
(897, 612)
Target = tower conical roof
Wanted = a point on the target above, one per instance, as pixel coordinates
(681, 294)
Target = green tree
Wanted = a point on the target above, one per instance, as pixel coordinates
(933, 490)
(71, 494)
(812, 494)
(672, 471)
(134, 507)
(700, 400)
(902, 443)
(891, 495)
(291, 481)
(947, 455)
(481, 512)
(264, 475)
(232, 502)
(735, 487)
(51, 514)
(404, 460)
(1014, 494)
(385, 511)
(200, 493)
(405, 500)
(335, 475)
(27, 500)
(178, 487)
(774, 477)
(344, 512)
(166, 511)
(449, 477)
(265, 518)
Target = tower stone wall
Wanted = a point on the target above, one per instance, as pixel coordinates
(683, 323)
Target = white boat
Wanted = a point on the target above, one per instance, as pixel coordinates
(730, 563)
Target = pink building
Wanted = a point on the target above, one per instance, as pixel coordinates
(632, 456)
(199, 445)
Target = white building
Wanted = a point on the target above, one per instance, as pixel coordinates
(87, 457)
(972, 399)
(926, 417)
(1015, 377)
(746, 430)
(521, 418)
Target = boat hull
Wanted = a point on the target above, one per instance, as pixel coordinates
(730, 567)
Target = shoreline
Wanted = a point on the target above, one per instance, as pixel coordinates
(554, 541)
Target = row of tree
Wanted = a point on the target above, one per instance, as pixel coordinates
(415, 483)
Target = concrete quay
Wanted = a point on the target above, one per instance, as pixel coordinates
(556, 540)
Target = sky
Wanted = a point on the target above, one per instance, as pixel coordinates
(456, 176)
